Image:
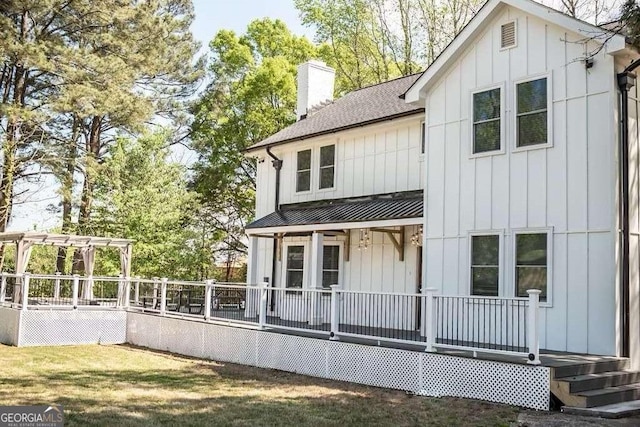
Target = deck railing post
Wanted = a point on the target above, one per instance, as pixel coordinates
(136, 292)
(533, 334)
(127, 291)
(262, 319)
(25, 290)
(163, 295)
(3, 287)
(74, 291)
(430, 319)
(335, 313)
(56, 287)
(156, 291)
(207, 299)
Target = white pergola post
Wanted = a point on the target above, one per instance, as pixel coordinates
(23, 253)
(253, 295)
(89, 260)
(315, 312)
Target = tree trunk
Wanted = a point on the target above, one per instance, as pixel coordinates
(67, 192)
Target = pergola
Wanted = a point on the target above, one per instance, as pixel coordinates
(87, 244)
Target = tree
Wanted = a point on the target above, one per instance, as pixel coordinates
(141, 195)
(630, 16)
(251, 96)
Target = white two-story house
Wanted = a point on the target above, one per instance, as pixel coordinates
(511, 164)
(342, 188)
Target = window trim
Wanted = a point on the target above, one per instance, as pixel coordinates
(542, 230)
(514, 116)
(303, 170)
(335, 161)
(340, 244)
(305, 266)
(503, 116)
(470, 236)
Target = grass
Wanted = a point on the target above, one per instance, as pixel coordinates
(127, 386)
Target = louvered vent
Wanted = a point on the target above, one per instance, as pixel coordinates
(508, 35)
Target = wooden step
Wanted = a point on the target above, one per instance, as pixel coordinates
(572, 370)
(608, 395)
(599, 380)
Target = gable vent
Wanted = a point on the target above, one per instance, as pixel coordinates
(508, 35)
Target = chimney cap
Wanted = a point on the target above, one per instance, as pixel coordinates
(316, 63)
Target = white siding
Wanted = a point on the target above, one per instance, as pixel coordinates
(568, 188)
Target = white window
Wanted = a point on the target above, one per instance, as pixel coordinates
(532, 263)
(303, 171)
(532, 108)
(295, 267)
(327, 166)
(485, 264)
(330, 266)
(487, 121)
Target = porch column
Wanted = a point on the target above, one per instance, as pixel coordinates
(253, 295)
(315, 306)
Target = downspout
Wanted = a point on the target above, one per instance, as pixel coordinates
(626, 80)
(277, 165)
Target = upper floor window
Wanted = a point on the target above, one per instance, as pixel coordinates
(327, 166)
(531, 114)
(303, 171)
(531, 263)
(485, 264)
(487, 128)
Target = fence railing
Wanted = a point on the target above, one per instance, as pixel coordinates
(484, 324)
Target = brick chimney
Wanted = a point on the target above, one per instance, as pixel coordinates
(315, 86)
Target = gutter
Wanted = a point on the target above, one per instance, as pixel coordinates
(277, 165)
(626, 80)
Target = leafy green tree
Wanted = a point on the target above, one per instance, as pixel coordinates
(143, 196)
(251, 96)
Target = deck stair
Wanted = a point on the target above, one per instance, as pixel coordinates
(589, 387)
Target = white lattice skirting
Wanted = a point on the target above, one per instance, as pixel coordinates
(9, 321)
(423, 373)
(63, 327)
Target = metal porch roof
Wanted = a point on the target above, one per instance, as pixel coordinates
(371, 208)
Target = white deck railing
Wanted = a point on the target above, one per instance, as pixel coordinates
(479, 324)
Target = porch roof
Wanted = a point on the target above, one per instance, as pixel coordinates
(403, 208)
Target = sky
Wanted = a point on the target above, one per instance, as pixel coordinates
(210, 16)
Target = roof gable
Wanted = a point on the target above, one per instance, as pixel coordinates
(491, 9)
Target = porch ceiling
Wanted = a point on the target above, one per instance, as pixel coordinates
(395, 209)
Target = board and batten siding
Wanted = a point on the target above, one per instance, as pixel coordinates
(568, 188)
(374, 159)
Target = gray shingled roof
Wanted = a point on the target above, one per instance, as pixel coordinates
(363, 106)
(407, 204)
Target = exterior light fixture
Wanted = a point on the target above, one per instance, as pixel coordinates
(416, 238)
(364, 241)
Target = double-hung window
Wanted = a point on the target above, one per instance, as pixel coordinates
(295, 267)
(485, 264)
(532, 257)
(532, 113)
(327, 166)
(330, 265)
(487, 121)
(303, 171)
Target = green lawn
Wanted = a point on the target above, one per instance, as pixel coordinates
(126, 386)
